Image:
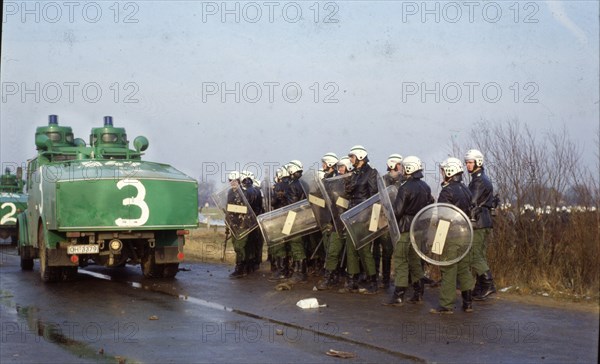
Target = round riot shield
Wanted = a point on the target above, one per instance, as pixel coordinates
(441, 234)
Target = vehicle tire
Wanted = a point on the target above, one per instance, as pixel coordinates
(26, 264)
(170, 270)
(149, 267)
(48, 274)
(69, 273)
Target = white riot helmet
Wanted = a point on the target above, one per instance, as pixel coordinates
(393, 160)
(451, 167)
(247, 174)
(294, 166)
(411, 164)
(474, 155)
(234, 175)
(345, 161)
(330, 159)
(281, 173)
(359, 151)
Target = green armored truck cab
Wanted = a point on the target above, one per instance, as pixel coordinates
(102, 204)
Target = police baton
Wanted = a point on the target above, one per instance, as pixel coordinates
(227, 236)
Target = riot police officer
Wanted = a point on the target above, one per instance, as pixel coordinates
(393, 177)
(254, 242)
(335, 242)
(279, 252)
(413, 195)
(239, 245)
(296, 193)
(383, 247)
(456, 193)
(482, 201)
(361, 186)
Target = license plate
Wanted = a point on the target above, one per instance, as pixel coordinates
(83, 249)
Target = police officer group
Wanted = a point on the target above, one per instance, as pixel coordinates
(332, 255)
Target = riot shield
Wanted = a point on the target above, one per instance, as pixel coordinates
(285, 223)
(373, 217)
(387, 198)
(267, 193)
(334, 191)
(441, 234)
(239, 217)
(310, 183)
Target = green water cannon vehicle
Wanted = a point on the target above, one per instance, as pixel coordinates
(102, 204)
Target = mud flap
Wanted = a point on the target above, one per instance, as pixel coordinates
(166, 254)
(59, 258)
(28, 252)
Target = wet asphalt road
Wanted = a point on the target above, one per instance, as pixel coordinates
(112, 315)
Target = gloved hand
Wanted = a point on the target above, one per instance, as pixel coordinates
(474, 213)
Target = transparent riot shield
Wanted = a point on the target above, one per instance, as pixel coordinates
(239, 217)
(266, 188)
(373, 217)
(441, 234)
(334, 191)
(287, 222)
(316, 198)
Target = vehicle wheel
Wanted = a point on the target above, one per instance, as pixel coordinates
(170, 270)
(26, 264)
(69, 273)
(149, 267)
(48, 274)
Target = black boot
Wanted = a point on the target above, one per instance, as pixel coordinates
(418, 290)
(287, 269)
(386, 270)
(249, 266)
(372, 286)
(273, 262)
(487, 287)
(327, 282)
(278, 273)
(476, 291)
(299, 273)
(467, 304)
(351, 284)
(239, 271)
(397, 298)
(441, 310)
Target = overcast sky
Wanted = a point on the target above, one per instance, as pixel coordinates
(215, 86)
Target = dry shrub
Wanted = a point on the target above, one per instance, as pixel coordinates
(553, 253)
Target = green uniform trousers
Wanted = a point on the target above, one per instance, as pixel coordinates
(406, 260)
(458, 272)
(479, 263)
(335, 245)
(366, 257)
(240, 248)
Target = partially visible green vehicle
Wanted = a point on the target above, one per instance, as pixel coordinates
(12, 202)
(102, 204)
